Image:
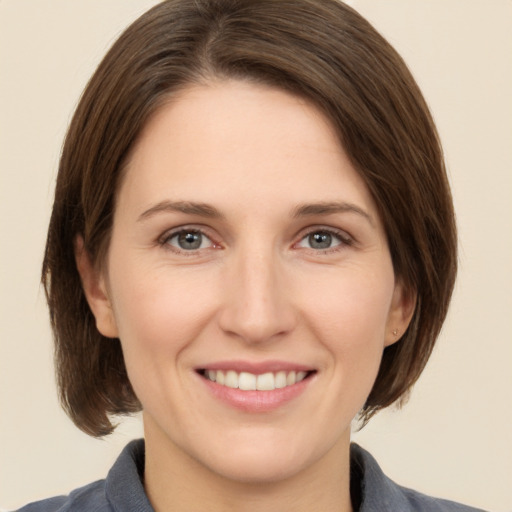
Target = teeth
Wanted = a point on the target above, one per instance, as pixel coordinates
(290, 378)
(300, 376)
(231, 379)
(280, 380)
(248, 381)
(265, 382)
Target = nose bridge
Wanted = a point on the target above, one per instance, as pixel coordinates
(257, 305)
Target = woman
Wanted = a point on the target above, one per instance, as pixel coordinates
(252, 241)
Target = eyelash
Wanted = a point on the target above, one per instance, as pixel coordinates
(165, 239)
(344, 239)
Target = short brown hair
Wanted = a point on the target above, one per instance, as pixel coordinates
(321, 50)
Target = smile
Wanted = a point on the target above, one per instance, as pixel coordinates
(246, 381)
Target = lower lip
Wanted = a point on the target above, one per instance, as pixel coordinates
(257, 401)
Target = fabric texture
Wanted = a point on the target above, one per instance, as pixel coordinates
(123, 490)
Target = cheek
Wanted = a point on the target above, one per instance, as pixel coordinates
(158, 312)
(349, 317)
(351, 306)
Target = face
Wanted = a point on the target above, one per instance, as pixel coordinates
(249, 281)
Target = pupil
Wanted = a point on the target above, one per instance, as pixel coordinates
(320, 240)
(190, 240)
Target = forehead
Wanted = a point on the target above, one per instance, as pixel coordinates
(238, 143)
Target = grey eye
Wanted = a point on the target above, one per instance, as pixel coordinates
(189, 240)
(320, 240)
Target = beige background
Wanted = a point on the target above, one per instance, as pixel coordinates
(455, 436)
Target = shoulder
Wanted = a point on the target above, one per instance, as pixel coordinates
(423, 503)
(88, 498)
(378, 493)
(122, 490)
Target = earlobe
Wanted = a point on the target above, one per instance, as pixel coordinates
(95, 289)
(400, 314)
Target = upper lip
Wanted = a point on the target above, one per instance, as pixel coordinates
(256, 367)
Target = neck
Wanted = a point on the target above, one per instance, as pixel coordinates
(176, 481)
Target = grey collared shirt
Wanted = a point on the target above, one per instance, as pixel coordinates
(123, 490)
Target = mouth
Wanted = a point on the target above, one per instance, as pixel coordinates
(246, 381)
(257, 387)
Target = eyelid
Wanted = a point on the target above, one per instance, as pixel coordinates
(342, 235)
(345, 238)
(164, 238)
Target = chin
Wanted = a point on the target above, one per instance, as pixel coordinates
(258, 468)
(261, 459)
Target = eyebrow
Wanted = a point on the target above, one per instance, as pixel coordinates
(187, 207)
(208, 211)
(330, 208)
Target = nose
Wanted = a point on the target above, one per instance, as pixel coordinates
(257, 305)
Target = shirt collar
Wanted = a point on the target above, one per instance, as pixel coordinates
(376, 491)
(371, 490)
(124, 485)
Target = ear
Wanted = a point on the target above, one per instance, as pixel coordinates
(96, 292)
(400, 314)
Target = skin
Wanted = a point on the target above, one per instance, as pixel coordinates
(257, 289)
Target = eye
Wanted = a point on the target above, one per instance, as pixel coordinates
(323, 239)
(189, 240)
